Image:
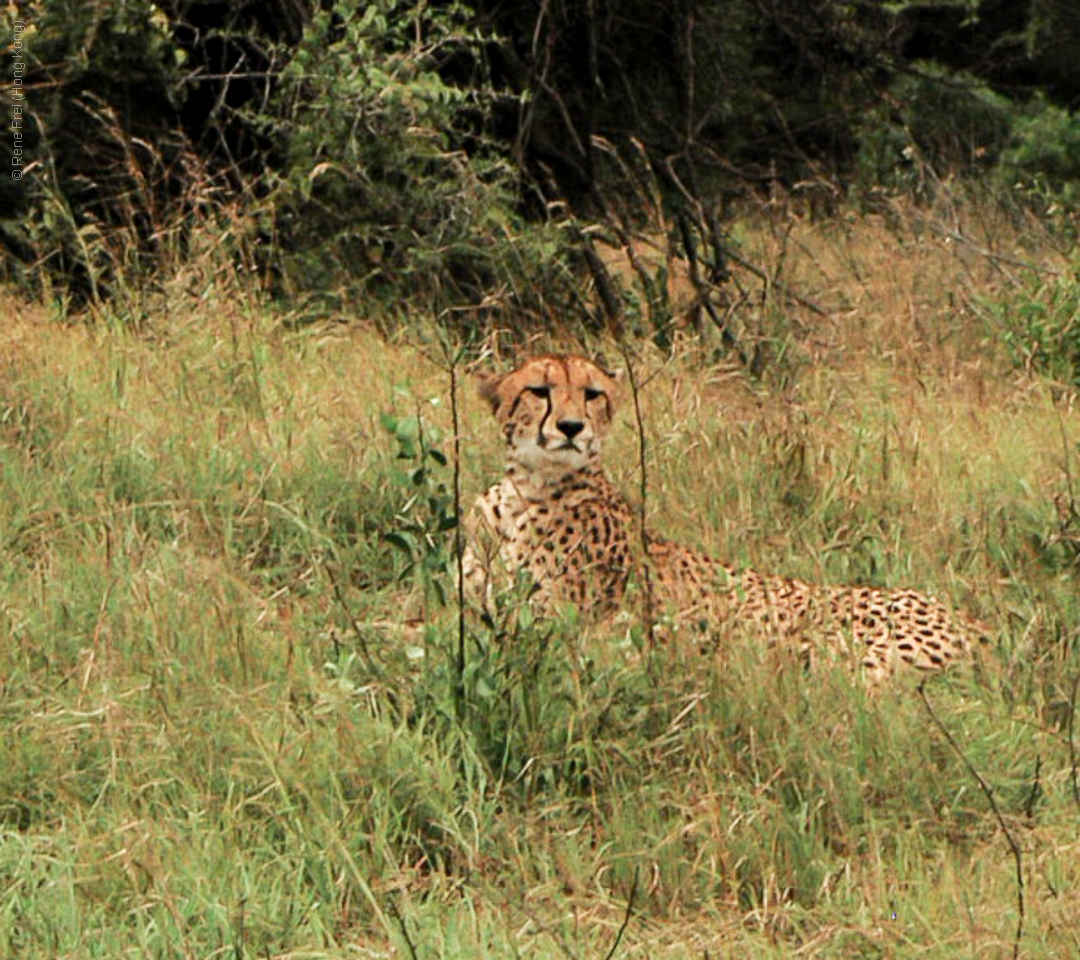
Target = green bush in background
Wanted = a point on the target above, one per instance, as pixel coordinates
(425, 158)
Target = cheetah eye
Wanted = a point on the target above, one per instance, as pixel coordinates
(544, 392)
(591, 393)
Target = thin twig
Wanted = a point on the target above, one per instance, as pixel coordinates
(1072, 741)
(1066, 458)
(348, 615)
(782, 288)
(995, 258)
(643, 492)
(459, 541)
(989, 794)
(702, 290)
(649, 194)
(451, 361)
(1036, 789)
(626, 918)
(605, 288)
(404, 930)
(543, 928)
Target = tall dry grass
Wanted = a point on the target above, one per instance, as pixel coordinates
(228, 681)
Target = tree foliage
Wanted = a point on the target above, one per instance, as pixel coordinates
(388, 147)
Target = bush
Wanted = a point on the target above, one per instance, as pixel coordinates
(333, 158)
(104, 161)
(950, 123)
(1042, 326)
(1042, 158)
(376, 194)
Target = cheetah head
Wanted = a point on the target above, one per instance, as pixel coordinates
(554, 410)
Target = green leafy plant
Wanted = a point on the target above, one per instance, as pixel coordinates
(1041, 325)
(1042, 160)
(428, 514)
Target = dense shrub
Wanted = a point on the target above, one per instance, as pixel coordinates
(1041, 323)
(404, 154)
(1043, 154)
(376, 193)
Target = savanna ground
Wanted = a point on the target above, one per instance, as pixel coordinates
(228, 677)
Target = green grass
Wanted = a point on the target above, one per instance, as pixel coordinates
(227, 682)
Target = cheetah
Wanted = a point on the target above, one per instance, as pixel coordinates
(555, 516)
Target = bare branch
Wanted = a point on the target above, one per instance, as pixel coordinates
(340, 597)
(626, 919)
(459, 539)
(404, 930)
(1072, 741)
(643, 492)
(989, 794)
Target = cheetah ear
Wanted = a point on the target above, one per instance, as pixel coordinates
(487, 385)
(606, 369)
(618, 378)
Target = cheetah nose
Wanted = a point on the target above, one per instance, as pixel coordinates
(570, 428)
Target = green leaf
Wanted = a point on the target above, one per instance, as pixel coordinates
(404, 543)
